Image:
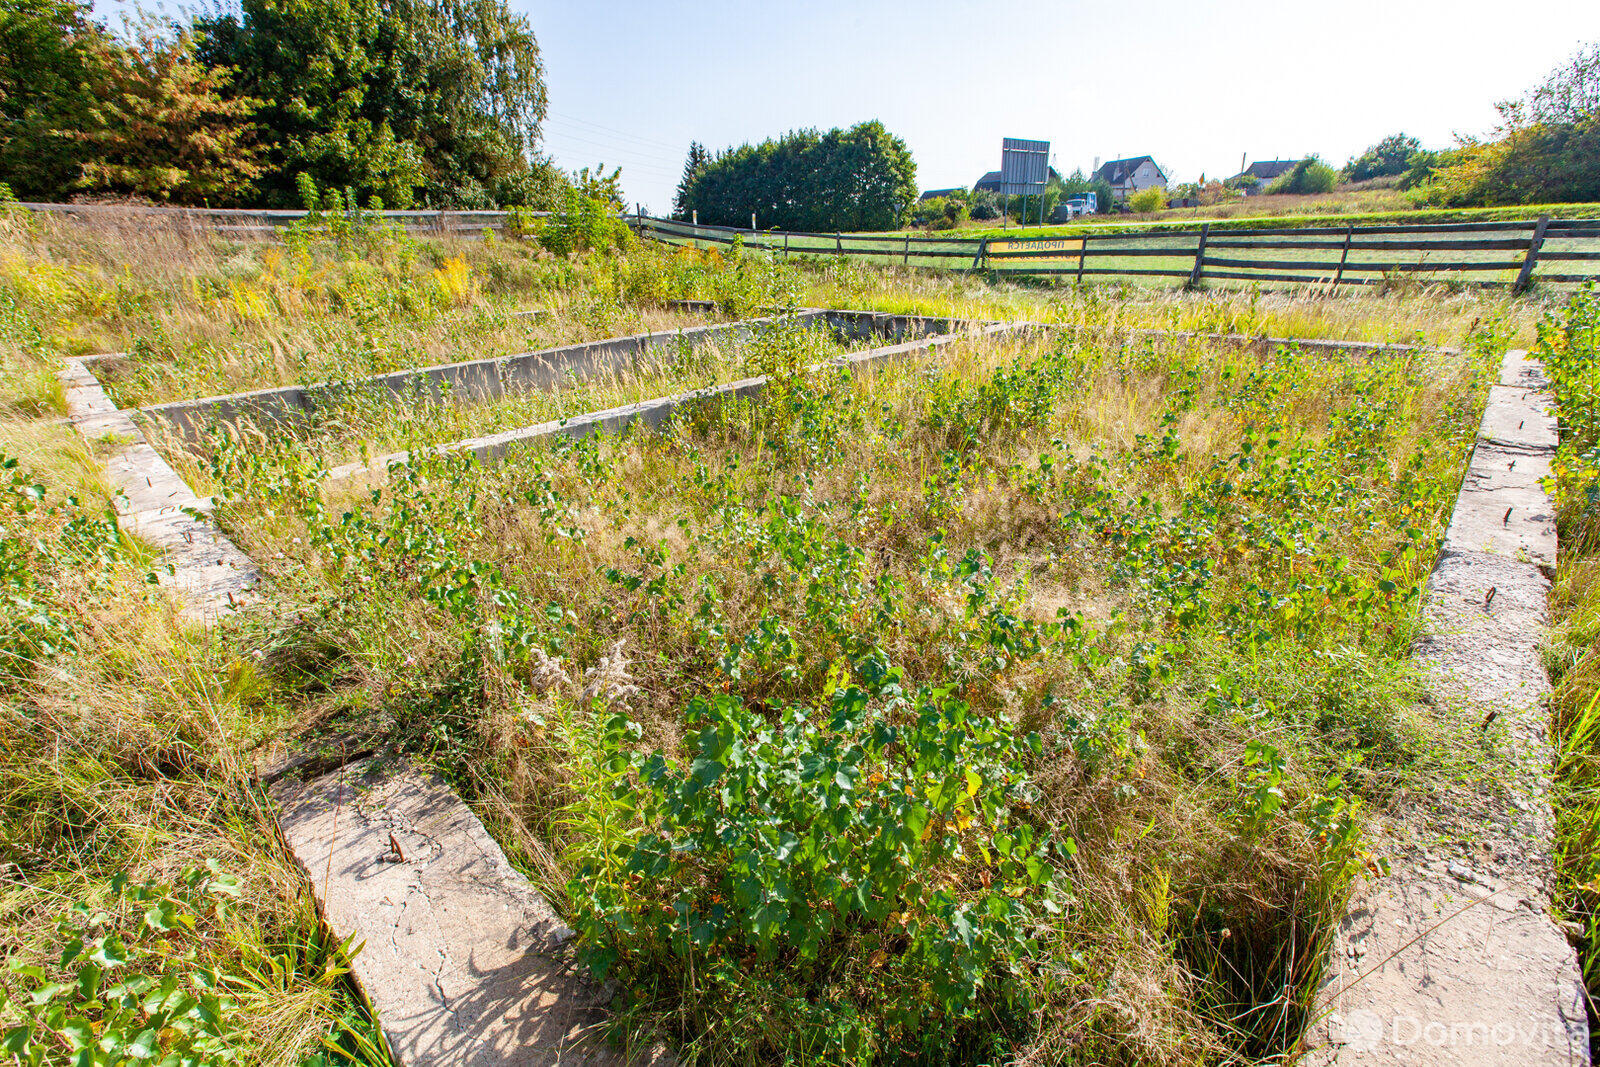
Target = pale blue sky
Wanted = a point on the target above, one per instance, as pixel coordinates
(1195, 84)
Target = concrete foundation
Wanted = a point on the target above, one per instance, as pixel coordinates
(1454, 958)
(206, 572)
(463, 960)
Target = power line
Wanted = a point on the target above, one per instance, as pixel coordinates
(614, 147)
(611, 129)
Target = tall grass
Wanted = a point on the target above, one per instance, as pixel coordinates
(1189, 569)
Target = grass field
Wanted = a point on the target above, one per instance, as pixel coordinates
(1032, 699)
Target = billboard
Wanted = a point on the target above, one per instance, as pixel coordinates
(1024, 166)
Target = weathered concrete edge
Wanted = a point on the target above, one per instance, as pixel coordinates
(464, 962)
(478, 379)
(651, 413)
(1486, 951)
(209, 576)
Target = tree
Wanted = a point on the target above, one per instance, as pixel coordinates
(162, 129)
(1546, 148)
(862, 178)
(438, 101)
(50, 63)
(1388, 157)
(698, 158)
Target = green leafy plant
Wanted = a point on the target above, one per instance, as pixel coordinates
(864, 874)
(130, 984)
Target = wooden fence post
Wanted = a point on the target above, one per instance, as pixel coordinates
(980, 255)
(1083, 254)
(1199, 256)
(786, 246)
(838, 243)
(907, 261)
(1526, 275)
(1344, 256)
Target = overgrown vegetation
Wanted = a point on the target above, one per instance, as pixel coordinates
(1019, 701)
(1569, 345)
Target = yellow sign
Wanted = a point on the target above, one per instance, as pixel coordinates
(1069, 247)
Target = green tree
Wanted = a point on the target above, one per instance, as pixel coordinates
(161, 128)
(51, 54)
(437, 101)
(1546, 148)
(1388, 157)
(698, 158)
(862, 178)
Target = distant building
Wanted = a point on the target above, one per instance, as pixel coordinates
(1264, 171)
(1129, 176)
(934, 194)
(991, 181)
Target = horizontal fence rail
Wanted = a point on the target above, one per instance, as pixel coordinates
(1514, 254)
(263, 221)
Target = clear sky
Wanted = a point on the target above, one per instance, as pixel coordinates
(1196, 84)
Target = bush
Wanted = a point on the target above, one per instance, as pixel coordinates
(1388, 157)
(1147, 200)
(855, 879)
(982, 205)
(1310, 175)
(582, 223)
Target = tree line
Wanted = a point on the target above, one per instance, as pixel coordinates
(862, 178)
(400, 103)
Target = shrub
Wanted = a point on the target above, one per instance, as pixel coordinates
(581, 224)
(856, 878)
(1388, 157)
(1147, 200)
(982, 205)
(1310, 175)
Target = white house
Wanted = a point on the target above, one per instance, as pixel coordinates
(1129, 176)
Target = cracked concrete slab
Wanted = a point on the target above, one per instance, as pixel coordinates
(464, 962)
(1454, 957)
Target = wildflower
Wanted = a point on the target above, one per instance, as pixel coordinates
(609, 681)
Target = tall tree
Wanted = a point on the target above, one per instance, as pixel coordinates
(432, 101)
(698, 158)
(161, 128)
(51, 54)
(862, 178)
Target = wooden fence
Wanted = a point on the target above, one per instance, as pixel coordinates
(262, 222)
(1546, 250)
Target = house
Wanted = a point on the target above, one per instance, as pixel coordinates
(991, 181)
(934, 194)
(1264, 171)
(1129, 176)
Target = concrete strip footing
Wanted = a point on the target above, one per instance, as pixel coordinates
(463, 960)
(654, 413)
(205, 571)
(1454, 957)
(465, 964)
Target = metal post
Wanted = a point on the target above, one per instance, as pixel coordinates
(694, 219)
(752, 222)
(1199, 256)
(1526, 274)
